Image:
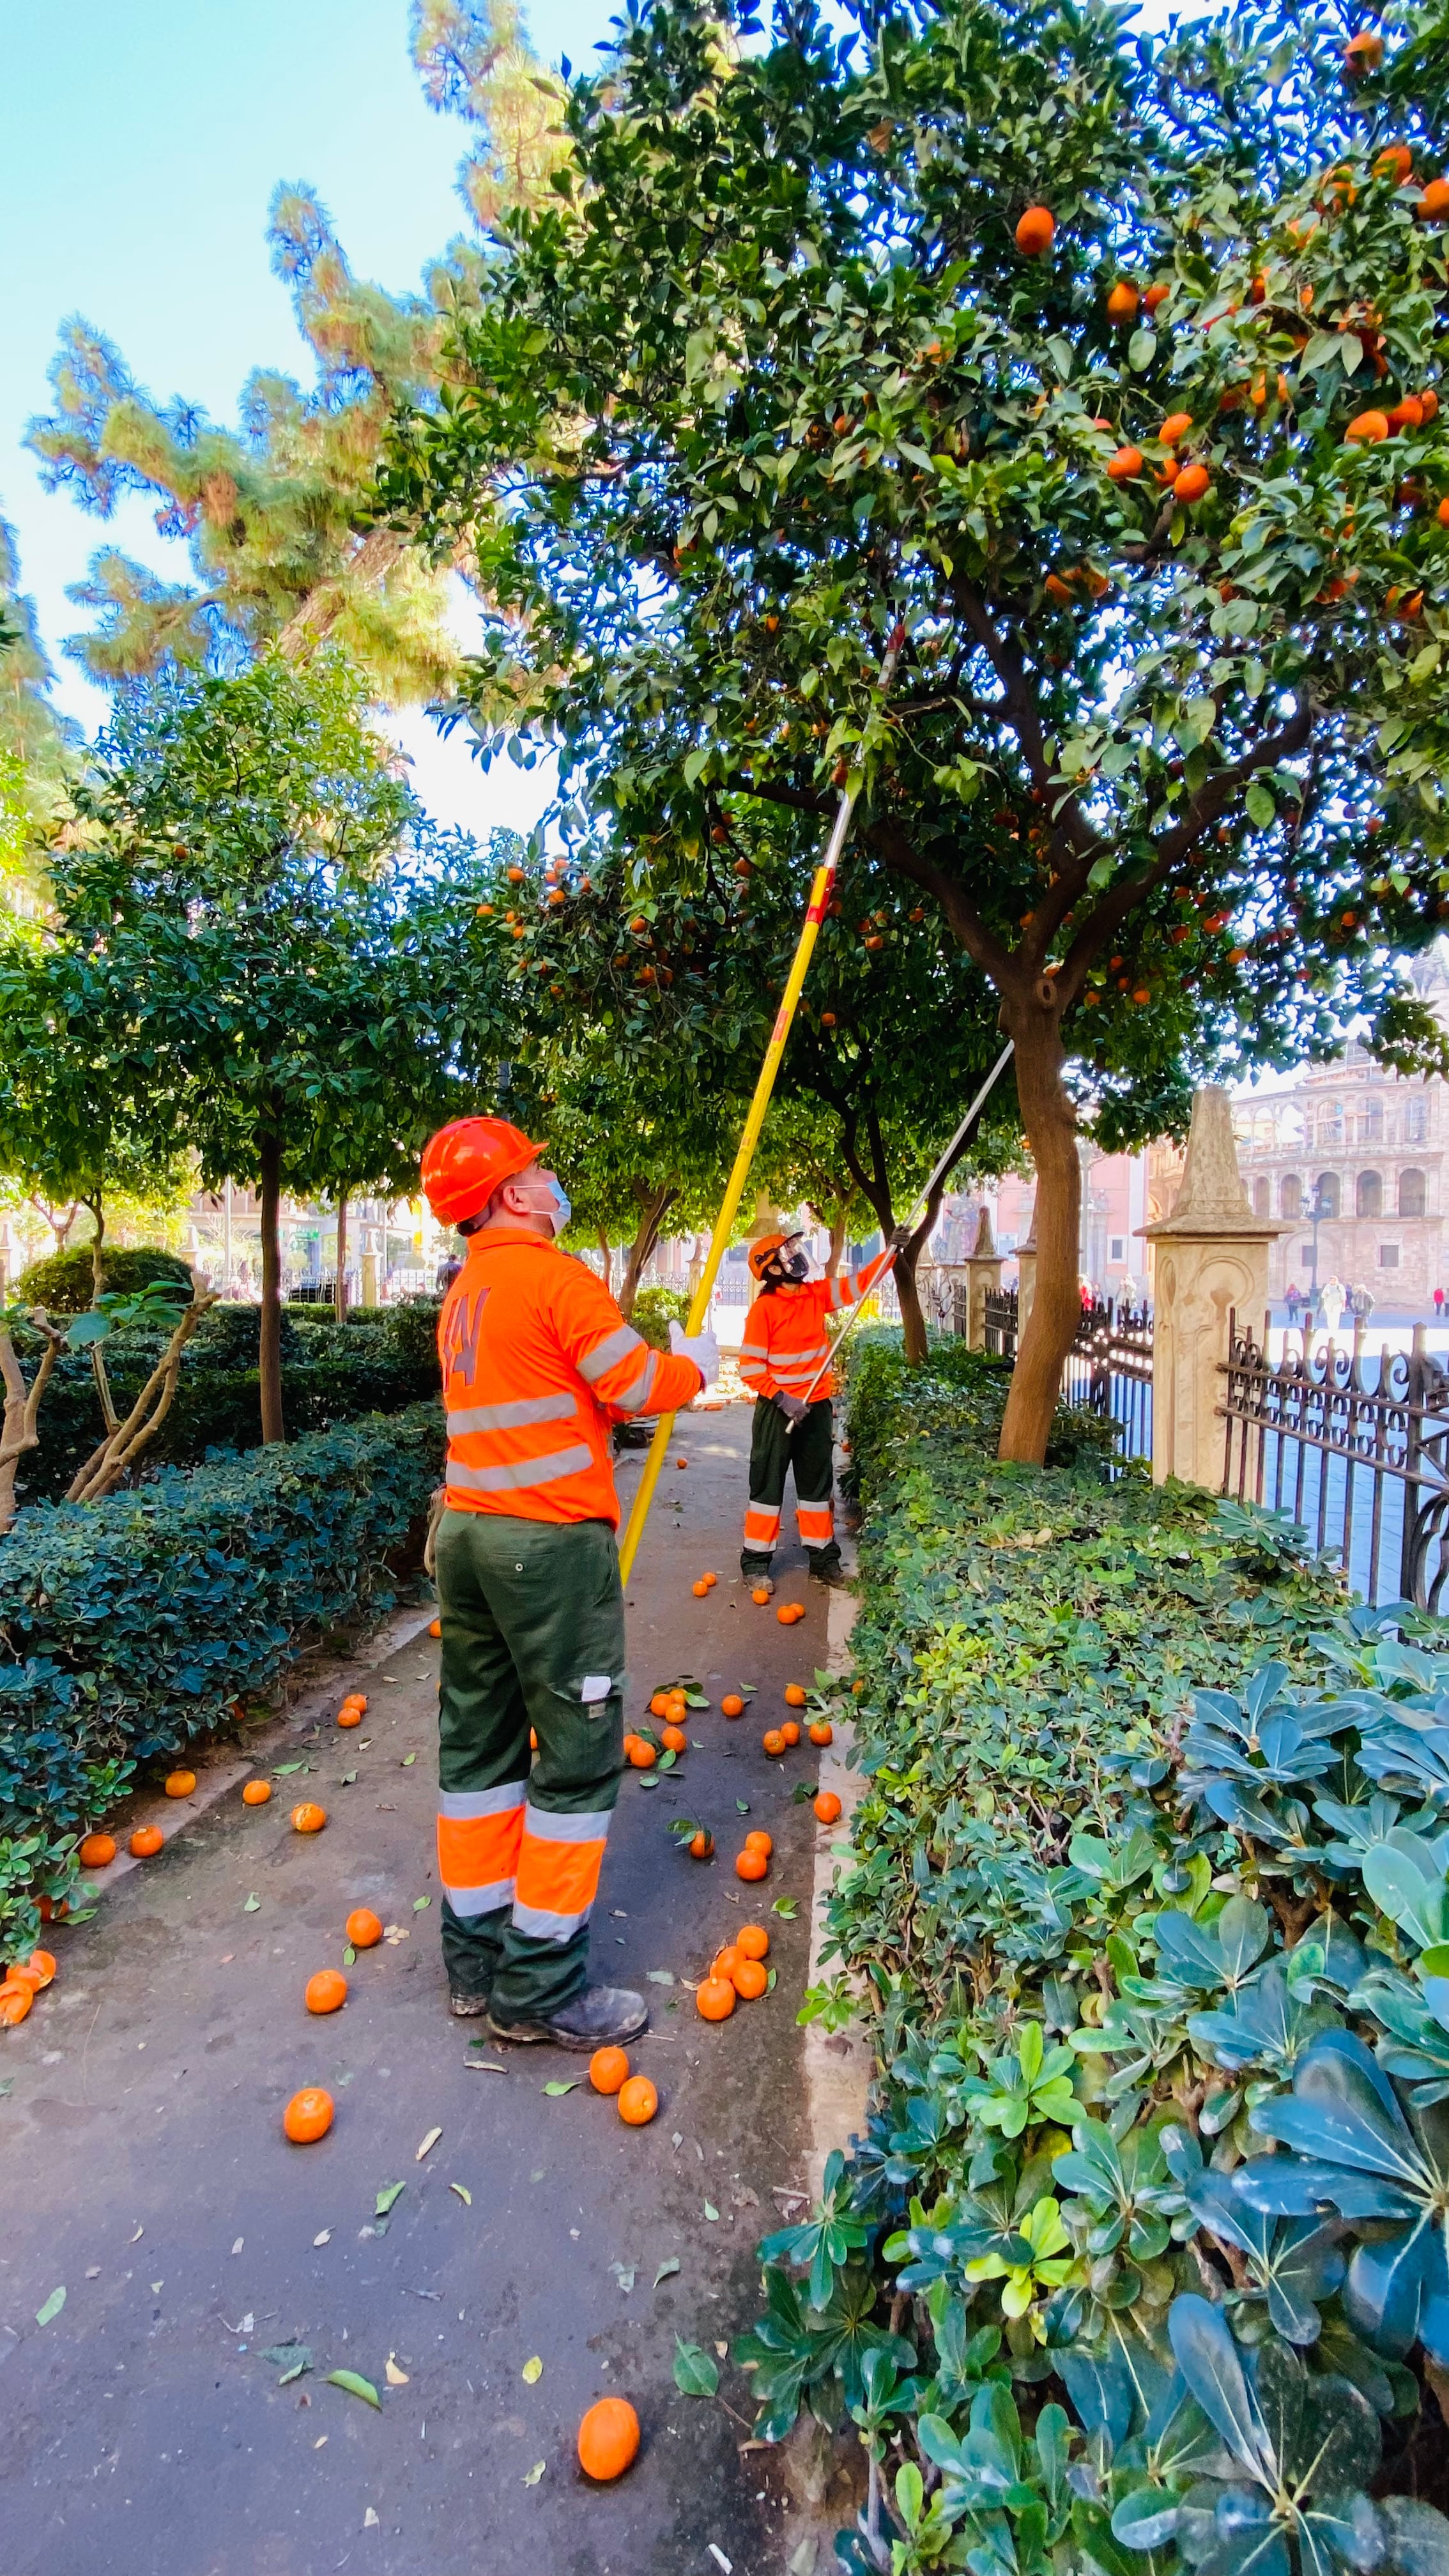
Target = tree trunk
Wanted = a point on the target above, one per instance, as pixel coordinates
(914, 1334)
(22, 1406)
(606, 1256)
(339, 1285)
(124, 1441)
(270, 1355)
(654, 1206)
(1050, 1122)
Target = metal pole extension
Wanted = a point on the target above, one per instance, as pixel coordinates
(922, 1201)
(820, 892)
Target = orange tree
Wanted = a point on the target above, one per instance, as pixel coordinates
(1107, 363)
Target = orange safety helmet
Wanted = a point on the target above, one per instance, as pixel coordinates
(760, 1252)
(468, 1160)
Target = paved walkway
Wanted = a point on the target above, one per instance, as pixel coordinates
(152, 2429)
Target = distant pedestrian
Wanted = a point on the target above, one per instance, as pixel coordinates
(1293, 1301)
(1330, 1303)
(1438, 1305)
(1361, 1304)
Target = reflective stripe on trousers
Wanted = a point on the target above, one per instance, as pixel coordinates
(816, 1523)
(762, 1527)
(559, 1861)
(479, 1832)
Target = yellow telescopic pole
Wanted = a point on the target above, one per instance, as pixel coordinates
(735, 1186)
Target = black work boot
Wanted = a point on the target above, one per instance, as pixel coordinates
(467, 2007)
(599, 2017)
(826, 1567)
(756, 1571)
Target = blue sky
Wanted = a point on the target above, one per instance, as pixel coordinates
(139, 146)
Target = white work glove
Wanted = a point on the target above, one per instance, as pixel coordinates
(702, 1348)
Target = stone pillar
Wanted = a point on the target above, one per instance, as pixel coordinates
(983, 1278)
(369, 1279)
(1211, 1261)
(1026, 1277)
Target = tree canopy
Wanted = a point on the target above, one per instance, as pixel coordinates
(1107, 363)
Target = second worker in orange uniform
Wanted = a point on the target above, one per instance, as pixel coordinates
(538, 1364)
(785, 1363)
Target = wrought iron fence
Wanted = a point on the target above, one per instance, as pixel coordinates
(1109, 1365)
(1355, 1448)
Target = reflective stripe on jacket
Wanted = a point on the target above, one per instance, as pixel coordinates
(785, 1341)
(537, 1364)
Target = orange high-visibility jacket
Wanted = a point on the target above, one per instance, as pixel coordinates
(537, 1363)
(785, 1339)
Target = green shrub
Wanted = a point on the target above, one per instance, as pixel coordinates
(129, 1628)
(655, 1309)
(64, 1283)
(375, 1363)
(1150, 1878)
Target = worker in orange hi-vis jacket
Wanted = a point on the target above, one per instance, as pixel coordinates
(538, 1364)
(784, 1354)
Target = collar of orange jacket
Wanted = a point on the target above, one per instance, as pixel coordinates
(509, 1234)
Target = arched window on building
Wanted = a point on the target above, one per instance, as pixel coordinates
(1411, 1193)
(1260, 1196)
(1369, 1194)
(1325, 1190)
(1290, 1196)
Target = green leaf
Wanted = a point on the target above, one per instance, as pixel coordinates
(667, 2268)
(786, 1907)
(742, 1806)
(46, 2315)
(695, 2371)
(711, 2213)
(554, 2088)
(1261, 808)
(349, 1957)
(532, 2372)
(421, 1904)
(464, 2194)
(253, 1905)
(387, 2198)
(531, 2476)
(408, 1760)
(1141, 350)
(355, 2385)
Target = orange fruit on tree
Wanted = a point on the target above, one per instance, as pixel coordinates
(752, 1941)
(791, 1730)
(760, 1593)
(1123, 301)
(326, 1992)
(759, 1841)
(1124, 464)
(675, 1739)
(144, 1841)
(256, 1793)
(1191, 483)
(822, 1732)
(752, 1864)
(701, 1845)
(638, 2101)
(308, 2116)
(608, 2438)
(1157, 293)
(732, 1705)
(1366, 429)
(826, 1806)
(773, 1741)
(643, 1756)
(97, 1851)
(1394, 162)
(750, 1978)
(349, 1714)
(1176, 426)
(608, 2069)
(1442, 513)
(715, 1999)
(1363, 52)
(16, 2000)
(179, 1784)
(308, 1817)
(659, 1704)
(1035, 231)
(795, 1694)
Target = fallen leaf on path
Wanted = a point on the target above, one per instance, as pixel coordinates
(464, 2194)
(721, 2348)
(554, 2088)
(531, 2476)
(369, 2519)
(532, 2372)
(356, 2386)
(428, 2144)
(47, 2315)
(421, 1904)
(347, 1780)
(349, 1956)
(253, 1905)
(772, 1979)
(624, 2274)
(670, 2265)
(484, 2065)
(408, 1760)
(284, 1770)
(743, 1806)
(237, 2244)
(695, 2373)
(720, 2559)
(660, 1977)
(321, 2442)
(325, 2238)
(710, 2211)
(136, 2239)
(395, 2378)
(786, 1908)
(390, 2193)
(290, 2358)
(157, 2285)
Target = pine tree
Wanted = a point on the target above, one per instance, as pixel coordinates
(34, 740)
(475, 60)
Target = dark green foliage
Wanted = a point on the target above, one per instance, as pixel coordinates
(379, 1360)
(64, 1283)
(1151, 1872)
(655, 1309)
(131, 1627)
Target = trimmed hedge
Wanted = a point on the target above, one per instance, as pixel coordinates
(1141, 2262)
(378, 1361)
(131, 1627)
(64, 1283)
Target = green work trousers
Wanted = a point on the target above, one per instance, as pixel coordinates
(807, 1449)
(533, 1636)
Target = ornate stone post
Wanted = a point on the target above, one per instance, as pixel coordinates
(1212, 1261)
(983, 1278)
